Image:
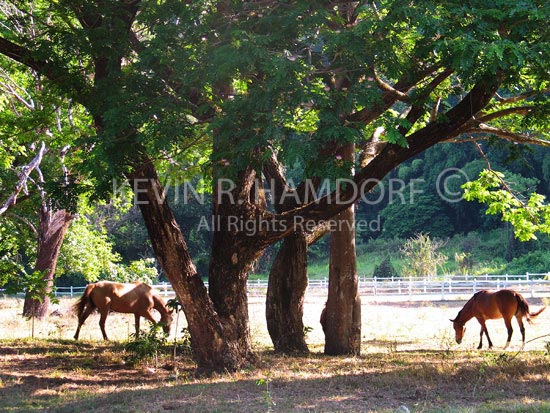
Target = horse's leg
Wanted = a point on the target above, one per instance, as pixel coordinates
(487, 334)
(104, 312)
(508, 323)
(481, 337)
(484, 330)
(82, 318)
(147, 315)
(521, 329)
(136, 315)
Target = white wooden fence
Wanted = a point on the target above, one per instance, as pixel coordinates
(450, 287)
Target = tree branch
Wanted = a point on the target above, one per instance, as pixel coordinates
(25, 172)
(62, 77)
(506, 135)
(519, 110)
(390, 157)
(520, 97)
(386, 87)
(389, 98)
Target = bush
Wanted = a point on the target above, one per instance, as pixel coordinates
(385, 269)
(147, 346)
(533, 262)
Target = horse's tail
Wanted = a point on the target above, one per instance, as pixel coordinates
(523, 308)
(78, 307)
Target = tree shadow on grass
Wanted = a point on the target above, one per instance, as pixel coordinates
(423, 381)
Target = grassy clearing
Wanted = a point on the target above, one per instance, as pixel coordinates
(409, 358)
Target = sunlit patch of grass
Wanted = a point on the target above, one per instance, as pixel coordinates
(83, 371)
(523, 405)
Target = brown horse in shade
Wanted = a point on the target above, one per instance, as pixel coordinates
(486, 305)
(106, 296)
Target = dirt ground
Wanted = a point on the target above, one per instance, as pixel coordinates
(409, 359)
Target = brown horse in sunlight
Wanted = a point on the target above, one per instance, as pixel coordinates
(486, 305)
(106, 296)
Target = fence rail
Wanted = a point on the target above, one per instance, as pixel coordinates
(450, 287)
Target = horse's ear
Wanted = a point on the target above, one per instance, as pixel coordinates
(452, 321)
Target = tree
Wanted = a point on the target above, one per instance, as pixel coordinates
(24, 95)
(260, 79)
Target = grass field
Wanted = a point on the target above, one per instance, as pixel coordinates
(409, 358)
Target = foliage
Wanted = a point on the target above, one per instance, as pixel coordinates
(87, 251)
(423, 257)
(528, 215)
(533, 262)
(147, 346)
(385, 269)
(464, 261)
(33, 285)
(11, 242)
(424, 212)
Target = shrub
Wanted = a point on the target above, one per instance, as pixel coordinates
(422, 255)
(147, 346)
(385, 269)
(534, 262)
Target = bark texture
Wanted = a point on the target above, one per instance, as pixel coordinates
(342, 318)
(215, 344)
(343, 308)
(51, 233)
(285, 296)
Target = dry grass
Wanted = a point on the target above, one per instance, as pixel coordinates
(409, 358)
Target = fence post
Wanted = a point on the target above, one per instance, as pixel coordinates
(399, 286)
(531, 285)
(71, 291)
(410, 287)
(374, 285)
(474, 285)
(443, 290)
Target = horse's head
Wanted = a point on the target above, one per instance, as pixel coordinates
(460, 329)
(166, 320)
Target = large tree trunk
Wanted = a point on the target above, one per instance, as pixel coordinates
(227, 283)
(234, 250)
(52, 229)
(285, 296)
(220, 342)
(342, 318)
(343, 308)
